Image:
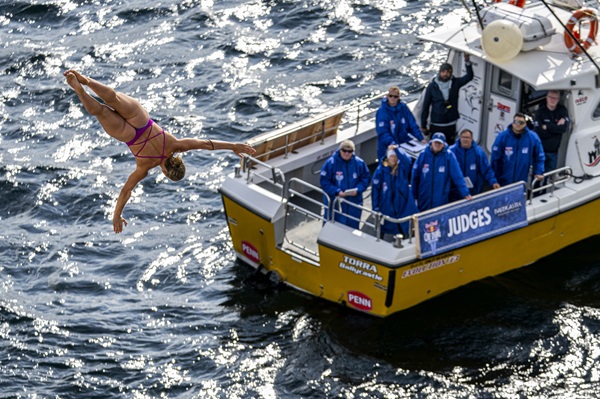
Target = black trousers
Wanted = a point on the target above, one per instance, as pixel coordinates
(449, 132)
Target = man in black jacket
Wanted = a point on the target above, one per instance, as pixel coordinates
(550, 122)
(441, 95)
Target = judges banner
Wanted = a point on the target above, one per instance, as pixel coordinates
(467, 222)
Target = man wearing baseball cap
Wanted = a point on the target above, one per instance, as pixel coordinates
(433, 171)
(440, 101)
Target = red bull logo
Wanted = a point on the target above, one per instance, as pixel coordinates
(360, 300)
(431, 227)
(432, 235)
(250, 252)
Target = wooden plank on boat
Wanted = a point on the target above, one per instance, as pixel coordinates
(297, 135)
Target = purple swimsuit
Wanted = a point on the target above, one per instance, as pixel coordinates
(138, 134)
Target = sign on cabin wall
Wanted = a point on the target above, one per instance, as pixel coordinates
(589, 153)
(454, 226)
(470, 104)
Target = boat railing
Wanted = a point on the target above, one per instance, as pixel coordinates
(276, 179)
(310, 130)
(551, 180)
(408, 219)
(304, 215)
(367, 214)
(290, 192)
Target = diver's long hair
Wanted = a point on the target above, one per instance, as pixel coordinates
(175, 168)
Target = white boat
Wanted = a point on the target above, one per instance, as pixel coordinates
(274, 206)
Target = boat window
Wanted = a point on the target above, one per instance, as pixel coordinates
(596, 113)
(504, 83)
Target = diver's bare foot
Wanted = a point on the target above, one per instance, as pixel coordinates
(73, 82)
(82, 79)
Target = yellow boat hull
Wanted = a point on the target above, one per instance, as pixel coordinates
(340, 276)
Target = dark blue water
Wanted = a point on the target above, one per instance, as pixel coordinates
(164, 310)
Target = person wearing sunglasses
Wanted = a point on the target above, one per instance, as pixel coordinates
(347, 176)
(440, 101)
(394, 123)
(550, 122)
(516, 150)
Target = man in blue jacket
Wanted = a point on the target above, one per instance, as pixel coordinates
(432, 173)
(347, 176)
(394, 122)
(390, 192)
(515, 151)
(441, 95)
(474, 165)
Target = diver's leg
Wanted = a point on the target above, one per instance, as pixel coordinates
(113, 123)
(129, 108)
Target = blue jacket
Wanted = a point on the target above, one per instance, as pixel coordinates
(338, 175)
(512, 156)
(443, 112)
(474, 164)
(391, 195)
(393, 124)
(431, 177)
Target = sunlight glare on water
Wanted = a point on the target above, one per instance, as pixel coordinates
(164, 309)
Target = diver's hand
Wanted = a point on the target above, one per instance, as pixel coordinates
(118, 222)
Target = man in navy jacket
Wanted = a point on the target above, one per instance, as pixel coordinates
(394, 122)
(432, 173)
(473, 163)
(340, 175)
(441, 95)
(516, 150)
(551, 121)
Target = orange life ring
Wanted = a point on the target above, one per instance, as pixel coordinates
(579, 15)
(518, 3)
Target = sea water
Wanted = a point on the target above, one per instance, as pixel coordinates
(164, 310)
